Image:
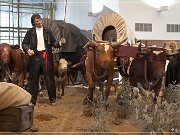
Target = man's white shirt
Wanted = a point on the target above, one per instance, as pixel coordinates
(40, 39)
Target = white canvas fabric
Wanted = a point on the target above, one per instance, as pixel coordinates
(12, 95)
(110, 19)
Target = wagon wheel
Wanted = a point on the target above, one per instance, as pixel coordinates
(51, 24)
(110, 26)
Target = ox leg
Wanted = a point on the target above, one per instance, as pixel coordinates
(58, 89)
(62, 87)
(108, 86)
(7, 74)
(101, 89)
(157, 90)
(89, 98)
(21, 79)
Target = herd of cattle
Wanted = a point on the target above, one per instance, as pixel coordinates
(147, 68)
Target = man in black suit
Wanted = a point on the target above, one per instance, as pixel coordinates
(38, 43)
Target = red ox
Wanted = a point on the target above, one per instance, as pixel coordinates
(13, 63)
(149, 70)
(99, 65)
(60, 72)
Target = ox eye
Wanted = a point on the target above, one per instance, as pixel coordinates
(98, 50)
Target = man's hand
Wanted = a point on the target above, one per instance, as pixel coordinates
(63, 40)
(30, 52)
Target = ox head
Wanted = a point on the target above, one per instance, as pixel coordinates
(63, 65)
(158, 62)
(5, 53)
(102, 51)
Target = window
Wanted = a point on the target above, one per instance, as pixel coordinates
(173, 27)
(144, 27)
(13, 26)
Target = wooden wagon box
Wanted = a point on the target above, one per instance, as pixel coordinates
(16, 119)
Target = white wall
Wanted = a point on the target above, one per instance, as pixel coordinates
(132, 12)
(77, 13)
(142, 13)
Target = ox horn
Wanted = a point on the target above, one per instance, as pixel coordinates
(115, 44)
(91, 44)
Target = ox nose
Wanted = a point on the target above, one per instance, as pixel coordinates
(5, 61)
(64, 68)
(107, 63)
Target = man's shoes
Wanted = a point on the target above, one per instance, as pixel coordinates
(53, 103)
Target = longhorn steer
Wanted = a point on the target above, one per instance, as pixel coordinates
(99, 65)
(148, 70)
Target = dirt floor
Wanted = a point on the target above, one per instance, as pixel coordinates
(68, 116)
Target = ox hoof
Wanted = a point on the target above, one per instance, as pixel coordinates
(87, 101)
(88, 111)
(59, 96)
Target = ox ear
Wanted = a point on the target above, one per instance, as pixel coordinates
(56, 62)
(90, 45)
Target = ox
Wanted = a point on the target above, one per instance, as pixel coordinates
(13, 64)
(18, 66)
(148, 69)
(60, 73)
(123, 64)
(99, 65)
(5, 57)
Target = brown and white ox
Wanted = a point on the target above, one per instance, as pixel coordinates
(148, 70)
(13, 64)
(99, 64)
(60, 75)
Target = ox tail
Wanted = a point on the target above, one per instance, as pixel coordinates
(24, 62)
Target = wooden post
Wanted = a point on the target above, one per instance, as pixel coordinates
(18, 6)
(51, 10)
(94, 37)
